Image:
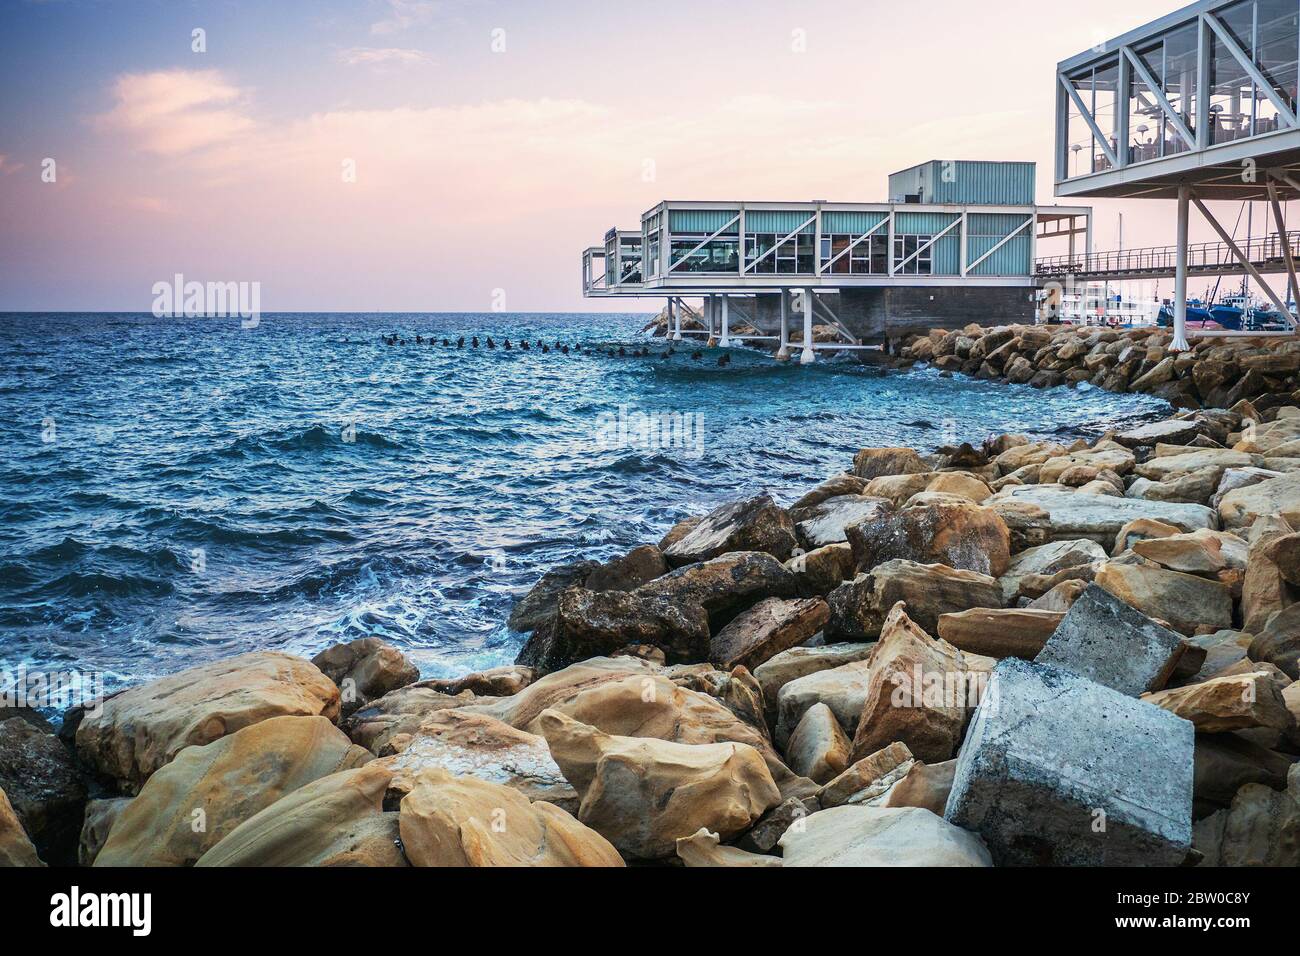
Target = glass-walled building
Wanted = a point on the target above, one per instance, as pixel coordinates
(1213, 82)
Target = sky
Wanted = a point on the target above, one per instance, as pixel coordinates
(458, 155)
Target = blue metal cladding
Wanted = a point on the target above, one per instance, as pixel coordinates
(850, 223)
(946, 252)
(782, 221)
(706, 221)
(963, 182)
(986, 231)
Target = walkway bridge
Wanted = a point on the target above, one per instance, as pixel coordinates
(1267, 254)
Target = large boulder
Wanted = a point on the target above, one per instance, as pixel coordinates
(765, 630)
(493, 682)
(1173, 431)
(100, 817)
(651, 705)
(877, 836)
(1232, 702)
(1279, 642)
(1049, 754)
(1200, 552)
(15, 848)
(643, 794)
(1184, 461)
(365, 669)
(869, 780)
(837, 486)
(628, 572)
(925, 785)
(538, 605)
(843, 689)
(1265, 590)
(917, 693)
(800, 662)
(1261, 828)
(755, 524)
(205, 792)
(1100, 517)
(1000, 632)
(1184, 600)
(963, 536)
(337, 820)
(45, 788)
(820, 571)
(875, 462)
(818, 749)
(594, 623)
(858, 607)
(400, 712)
(142, 728)
(1110, 642)
(1277, 496)
(726, 585)
(464, 821)
(825, 523)
(476, 745)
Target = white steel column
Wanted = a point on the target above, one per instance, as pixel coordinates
(1180, 271)
(725, 341)
(713, 314)
(783, 353)
(675, 310)
(807, 356)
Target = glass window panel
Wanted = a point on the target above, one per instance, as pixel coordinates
(1178, 78)
(1146, 120)
(1079, 155)
(1105, 89)
(1232, 94)
(1276, 40)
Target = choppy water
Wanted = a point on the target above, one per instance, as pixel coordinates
(178, 490)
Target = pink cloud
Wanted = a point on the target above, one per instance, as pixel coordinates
(173, 112)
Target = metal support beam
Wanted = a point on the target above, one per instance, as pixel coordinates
(725, 341)
(1287, 254)
(713, 317)
(675, 314)
(1245, 262)
(1180, 272)
(807, 356)
(783, 353)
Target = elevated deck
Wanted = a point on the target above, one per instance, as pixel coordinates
(1266, 253)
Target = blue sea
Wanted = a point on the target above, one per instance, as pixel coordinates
(177, 490)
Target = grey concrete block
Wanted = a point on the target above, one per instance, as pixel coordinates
(1107, 641)
(1059, 770)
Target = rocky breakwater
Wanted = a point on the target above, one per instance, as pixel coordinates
(1014, 654)
(1215, 373)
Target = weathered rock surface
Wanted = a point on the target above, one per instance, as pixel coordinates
(755, 524)
(1261, 828)
(643, 794)
(1173, 431)
(493, 682)
(843, 689)
(868, 780)
(15, 848)
(205, 792)
(1187, 602)
(703, 849)
(1110, 642)
(465, 821)
(876, 462)
(45, 788)
(400, 712)
(1279, 642)
(1000, 632)
(337, 820)
(917, 693)
(1233, 702)
(628, 572)
(1227, 762)
(818, 749)
(538, 605)
(822, 570)
(925, 785)
(824, 524)
(836, 486)
(963, 536)
(650, 705)
(858, 607)
(800, 662)
(1201, 552)
(595, 623)
(1277, 496)
(1055, 748)
(1101, 517)
(726, 585)
(875, 836)
(365, 669)
(142, 728)
(476, 745)
(771, 626)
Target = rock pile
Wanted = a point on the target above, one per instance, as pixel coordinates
(1216, 373)
(1021, 653)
